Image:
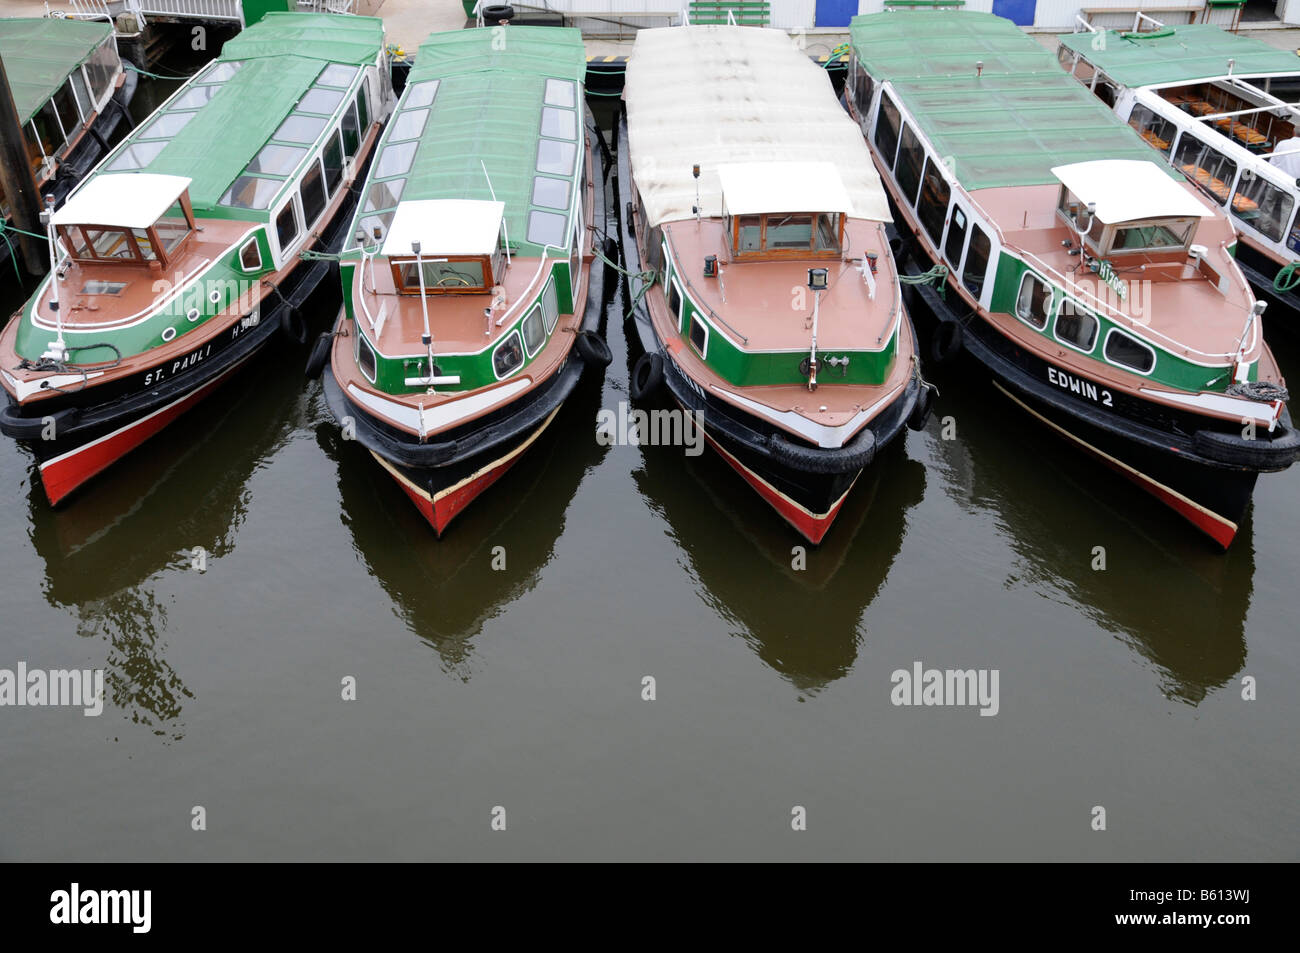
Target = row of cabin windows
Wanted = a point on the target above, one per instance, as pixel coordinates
(56, 123)
(697, 332)
(1259, 203)
(1077, 328)
(540, 321)
(320, 183)
(921, 183)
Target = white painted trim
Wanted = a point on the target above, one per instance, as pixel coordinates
(443, 415)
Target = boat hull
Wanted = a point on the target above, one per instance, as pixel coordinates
(1169, 462)
(1260, 270)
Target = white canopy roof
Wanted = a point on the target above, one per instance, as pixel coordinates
(124, 200)
(1126, 190)
(445, 227)
(720, 95)
(756, 187)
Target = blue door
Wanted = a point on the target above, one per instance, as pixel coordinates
(836, 12)
(1019, 12)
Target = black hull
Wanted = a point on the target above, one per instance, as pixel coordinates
(1283, 306)
(815, 479)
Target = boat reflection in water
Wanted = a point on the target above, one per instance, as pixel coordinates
(806, 624)
(108, 559)
(445, 589)
(1177, 604)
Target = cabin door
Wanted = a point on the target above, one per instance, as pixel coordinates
(1019, 12)
(836, 12)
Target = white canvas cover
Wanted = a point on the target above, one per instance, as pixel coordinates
(716, 95)
(1125, 190)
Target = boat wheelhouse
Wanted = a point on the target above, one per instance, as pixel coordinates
(1094, 284)
(768, 299)
(181, 254)
(472, 299)
(1223, 110)
(71, 93)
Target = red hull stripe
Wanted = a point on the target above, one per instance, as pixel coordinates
(812, 526)
(442, 507)
(1218, 528)
(62, 474)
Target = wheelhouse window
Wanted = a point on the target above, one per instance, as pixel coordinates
(1034, 302)
(787, 235)
(1262, 205)
(1159, 235)
(161, 241)
(444, 275)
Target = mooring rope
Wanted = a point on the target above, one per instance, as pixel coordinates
(5, 229)
(1287, 278)
(935, 276)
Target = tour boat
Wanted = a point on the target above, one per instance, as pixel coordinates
(767, 299)
(1116, 317)
(472, 293)
(71, 92)
(1222, 109)
(181, 255)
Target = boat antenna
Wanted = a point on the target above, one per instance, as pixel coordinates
(493, 193)
(427, 338)
(695, 171)
(58, 349)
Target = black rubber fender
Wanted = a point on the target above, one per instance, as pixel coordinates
(1262, 453)
(319, 356)
(946, 342)
(293, 326)
(497, 12)
(847, 459)
(647, 375)
(593, 350)
(920, 414)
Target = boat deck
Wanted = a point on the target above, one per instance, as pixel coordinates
(757, 299)
(1191, 312)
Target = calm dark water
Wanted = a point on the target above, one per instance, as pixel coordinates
(522, 688)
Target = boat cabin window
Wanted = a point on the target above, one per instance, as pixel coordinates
(508, 356)
(932, 205)
(313, 193)
(911, 156)
(1262, 205)
(952, 248)
(1209, 169)
(977, 261)
(887, 125)
(443, 275)
(1066, 57)
(1156, 131)
(286, 225)
(1034, 301)
(1128, 352)
(534, 331)
(787, 235)
(861, 82)
(1075, 326)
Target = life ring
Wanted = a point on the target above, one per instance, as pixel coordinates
(319, 356)
(945, 343)
(293, 326)
(920, 414)
(593, 350)
(647, 375)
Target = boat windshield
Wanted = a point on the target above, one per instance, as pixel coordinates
(443, 275)
(787, 234)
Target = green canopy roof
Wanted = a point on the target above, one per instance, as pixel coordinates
(39, 53)
(282, 55)
(1007, 124)
(1178, 54)
(487, 113)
